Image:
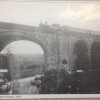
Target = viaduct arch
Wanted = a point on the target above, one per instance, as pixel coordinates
(57, 42)
(7, 37)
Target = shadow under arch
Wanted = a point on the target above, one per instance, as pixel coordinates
(81, 54)
(95, 66)
(95, 55)
(81, 66)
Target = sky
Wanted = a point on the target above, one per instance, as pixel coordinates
(77, 14)
(23, 47)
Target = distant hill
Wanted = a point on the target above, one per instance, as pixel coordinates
(28, 65)
(36, 58)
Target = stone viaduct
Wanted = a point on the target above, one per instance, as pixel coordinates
(79, 47)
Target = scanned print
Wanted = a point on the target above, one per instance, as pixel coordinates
(49, 47)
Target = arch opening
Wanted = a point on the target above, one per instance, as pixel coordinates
(95, 65)
(81, 55)
(95, 55)
(23, 58)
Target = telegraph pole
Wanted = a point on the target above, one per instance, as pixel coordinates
(58, 51)
(68, 53)
(58, 47)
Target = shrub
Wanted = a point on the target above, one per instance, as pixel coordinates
(56, 81)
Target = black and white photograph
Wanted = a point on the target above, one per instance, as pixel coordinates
(49, 47)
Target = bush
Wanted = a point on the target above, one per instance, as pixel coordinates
(49, 82)
(56, 81)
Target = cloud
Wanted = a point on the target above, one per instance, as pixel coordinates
(85, 12)
(82, 15)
